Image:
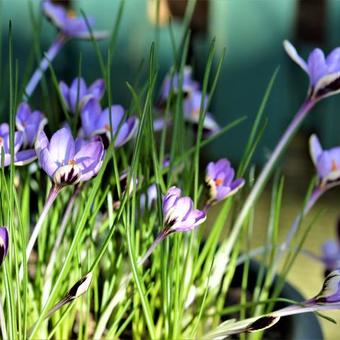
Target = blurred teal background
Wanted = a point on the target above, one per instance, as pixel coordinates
(252, 32)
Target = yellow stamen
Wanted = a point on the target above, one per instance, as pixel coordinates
(107, 127)
(71, 162)
(71, 13)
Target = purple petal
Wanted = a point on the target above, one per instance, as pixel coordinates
(182, 208)
(315, 148)
(41, 142)
(291, 51)
(103, 124)
(89, 159)
(56, 13)
(4, 129)
(333, 60)
(64, 90)
(97, 89)
(77, 91)
(4, 243)
(47, 162)
(62, 147)
(90, 115)
(127, 131)
(316, 65)
(170, 198)
(22, 115)
(24, 157)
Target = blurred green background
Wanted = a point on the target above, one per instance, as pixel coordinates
(252, 32)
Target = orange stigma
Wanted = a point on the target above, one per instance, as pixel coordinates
(71, 162)
(334, 165)
(1, 141)
(218, 182)
(107, 127)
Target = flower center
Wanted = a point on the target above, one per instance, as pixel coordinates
(334, 165)
(71, 14)
(107, 127)
(218, 182)
(71, 162)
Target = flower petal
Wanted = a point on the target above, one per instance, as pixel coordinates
(315, 148)
(62, 146)
(291, 51)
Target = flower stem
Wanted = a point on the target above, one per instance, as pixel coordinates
(264, 177)
(48, 57)
(53, 257)
(50, 199)
(161, 236)
(122, 288)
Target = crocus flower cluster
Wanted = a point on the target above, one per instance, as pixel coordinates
(109, 123)
(323, 72)
(172, 83)
(78, 93)
(220, 179)
(192, 99)
(67, 161)
(327, 162)
(68, 23)
(3, 243)
(29, 125)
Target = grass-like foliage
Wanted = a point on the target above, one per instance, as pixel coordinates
(128, 231)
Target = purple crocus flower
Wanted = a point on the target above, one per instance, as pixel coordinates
(172, 83)
(220, 180)
(78, 93)
(323, 72)
(30, 123)
(179, 212)
(67, 161)
(66, 21)
(97, 122)
(3, 243)
(327, 162)
(191, 112)
(20, 157)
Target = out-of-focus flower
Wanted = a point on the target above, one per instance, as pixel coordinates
(97, 122)
(179, 213)
(20, 157)
(66, 21)
(191, 112)
(78, 93)
(30, 123)
(331, 252)
(4, 241)
(67, 161)
(327, 162)
(323, 72)
(172, 83)
(220, 180)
